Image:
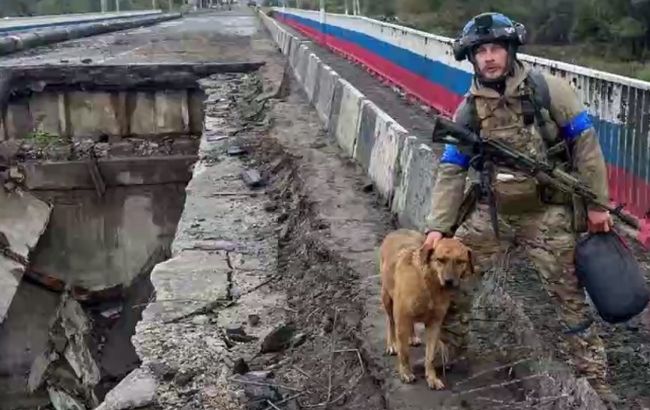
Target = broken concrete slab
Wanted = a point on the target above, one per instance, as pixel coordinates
(135, 390)
(23, 219)
(10, 274)
(204, 280)
(76, 326)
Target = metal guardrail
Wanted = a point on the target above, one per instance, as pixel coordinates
(18, 24)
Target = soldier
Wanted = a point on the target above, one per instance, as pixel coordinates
(531, 112)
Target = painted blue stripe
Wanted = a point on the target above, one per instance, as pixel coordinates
(610, 134)
(451, 155)
(576, 126)
(453, 79)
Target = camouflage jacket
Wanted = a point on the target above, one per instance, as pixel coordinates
(500, 116)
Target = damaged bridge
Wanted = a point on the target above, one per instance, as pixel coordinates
(191, 210)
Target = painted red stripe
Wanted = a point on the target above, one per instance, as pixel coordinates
(430, 93)
(634, 192)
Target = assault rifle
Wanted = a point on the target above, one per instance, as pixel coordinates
(490, 151)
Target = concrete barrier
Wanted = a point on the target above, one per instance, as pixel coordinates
(384, 158)
(312, 77)
(364, 131)
(416, 165)
(303, 61)
(366, 135)
(286, 42)
(293, 53)
(25, 40)
(348, 119)
(328, 82)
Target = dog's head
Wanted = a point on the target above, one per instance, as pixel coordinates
(450, 261)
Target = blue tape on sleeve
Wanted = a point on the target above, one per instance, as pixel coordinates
(576, 126)
(452, 155)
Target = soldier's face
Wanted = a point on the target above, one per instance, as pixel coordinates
(492, 60)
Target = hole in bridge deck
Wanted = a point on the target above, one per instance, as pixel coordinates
(112, 153)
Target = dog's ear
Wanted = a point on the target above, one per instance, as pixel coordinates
(426, 252)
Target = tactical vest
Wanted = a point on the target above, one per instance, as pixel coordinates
(524, 122)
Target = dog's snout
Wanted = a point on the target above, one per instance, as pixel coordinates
(450, 283)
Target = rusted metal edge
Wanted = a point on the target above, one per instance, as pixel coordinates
(79, 293)
(96, 176)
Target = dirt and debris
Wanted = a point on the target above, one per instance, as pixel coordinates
(39, 146)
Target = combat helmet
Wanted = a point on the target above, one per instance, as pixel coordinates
(489, 28)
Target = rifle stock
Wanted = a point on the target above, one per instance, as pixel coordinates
(449, 132)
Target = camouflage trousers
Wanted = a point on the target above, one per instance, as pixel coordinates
(549, 242)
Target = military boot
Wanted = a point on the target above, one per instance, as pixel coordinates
(590, 360)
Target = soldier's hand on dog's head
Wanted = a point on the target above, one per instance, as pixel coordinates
(432, 239)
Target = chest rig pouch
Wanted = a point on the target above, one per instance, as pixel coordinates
(510, 120)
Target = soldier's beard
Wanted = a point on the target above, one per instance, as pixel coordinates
(497, 81)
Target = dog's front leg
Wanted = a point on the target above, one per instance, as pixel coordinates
(432, 336)
(390, 322)
(404, 326)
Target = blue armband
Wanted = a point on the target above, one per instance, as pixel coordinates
(452, 155)
(576, 126)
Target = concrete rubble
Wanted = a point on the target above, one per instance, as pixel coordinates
(134, 391)
(68, 367)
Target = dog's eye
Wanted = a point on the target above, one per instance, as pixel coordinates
(441, 260)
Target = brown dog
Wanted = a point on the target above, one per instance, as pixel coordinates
(417, 287)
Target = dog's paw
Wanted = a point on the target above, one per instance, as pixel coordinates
(415, 341)
(407, 377)
(391, 351)
(435, 383)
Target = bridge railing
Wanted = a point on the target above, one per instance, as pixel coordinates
(422, 64)
(13, 25)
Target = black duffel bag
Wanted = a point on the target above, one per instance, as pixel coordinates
(612, 276)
